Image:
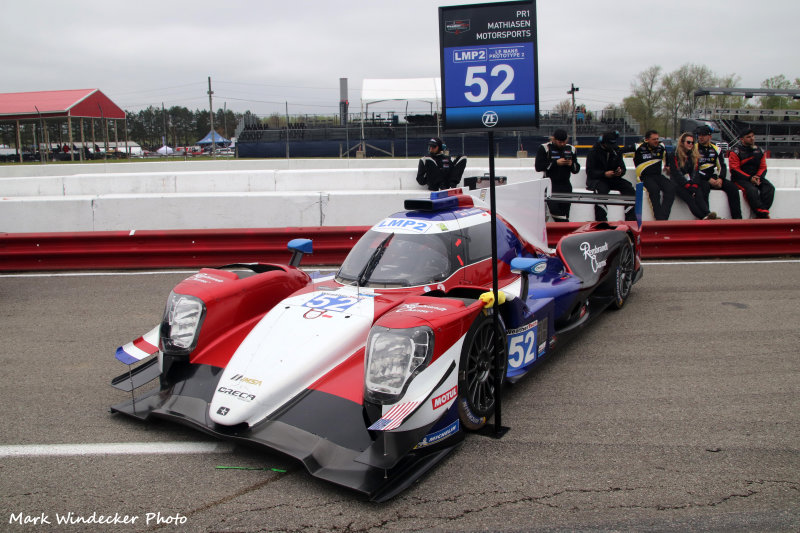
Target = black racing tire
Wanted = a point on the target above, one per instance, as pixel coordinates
(624, 275)
(476, 372)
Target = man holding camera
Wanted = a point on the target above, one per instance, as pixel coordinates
(558, 161)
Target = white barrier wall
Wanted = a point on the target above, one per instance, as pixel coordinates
(242, 197)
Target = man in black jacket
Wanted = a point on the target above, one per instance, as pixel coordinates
(605, 171)
(439, 171)
(712, 171)
(558, 160)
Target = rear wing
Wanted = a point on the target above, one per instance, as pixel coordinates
(605, 199)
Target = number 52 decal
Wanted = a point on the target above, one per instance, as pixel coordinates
(522, 347)
(332, 302)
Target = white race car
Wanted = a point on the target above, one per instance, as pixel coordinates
(372, 375)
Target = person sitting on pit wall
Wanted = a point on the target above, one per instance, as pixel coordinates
(605, 171)
(712, 171)
(748, 168)
(650, 159)
(683, 171)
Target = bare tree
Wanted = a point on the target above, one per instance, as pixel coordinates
(564, 107)
(646, 97)
(678, 89)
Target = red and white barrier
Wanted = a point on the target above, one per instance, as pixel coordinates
(98, 250)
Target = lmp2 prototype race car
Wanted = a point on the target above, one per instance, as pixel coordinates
(371, 376)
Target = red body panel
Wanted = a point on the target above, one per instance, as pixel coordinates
(234, 306)
(346, 380)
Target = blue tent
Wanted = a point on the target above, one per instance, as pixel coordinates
(214, 137)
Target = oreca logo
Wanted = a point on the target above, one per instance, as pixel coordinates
(489, 119)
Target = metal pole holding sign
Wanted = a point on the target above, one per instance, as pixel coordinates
(490, 82)
(498, 352)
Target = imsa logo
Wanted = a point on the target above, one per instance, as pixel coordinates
(445, 398)
(244, 379)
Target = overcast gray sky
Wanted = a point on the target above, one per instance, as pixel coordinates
(262, 54)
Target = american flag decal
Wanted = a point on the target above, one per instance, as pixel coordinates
(394, 417)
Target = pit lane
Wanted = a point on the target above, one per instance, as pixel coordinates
(680, 411)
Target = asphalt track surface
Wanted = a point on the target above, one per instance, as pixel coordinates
(680, 412)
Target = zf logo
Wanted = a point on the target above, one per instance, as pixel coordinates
(489, 119)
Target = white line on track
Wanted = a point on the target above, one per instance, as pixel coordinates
(113, 448)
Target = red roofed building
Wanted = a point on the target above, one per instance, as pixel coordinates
(86, 103)
(47, 105)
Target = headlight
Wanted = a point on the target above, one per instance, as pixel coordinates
(394, 357)
(180, 327)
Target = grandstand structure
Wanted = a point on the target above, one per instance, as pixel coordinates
(391, 134)
(777, 130)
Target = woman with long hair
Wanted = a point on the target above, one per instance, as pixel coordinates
(683, 171)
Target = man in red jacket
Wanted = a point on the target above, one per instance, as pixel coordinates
(748, 168)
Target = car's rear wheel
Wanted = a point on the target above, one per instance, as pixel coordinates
(625, 273)
(477, 390)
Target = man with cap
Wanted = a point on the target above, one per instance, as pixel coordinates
(650, 159)
(558, 160)
(439, 171)
(605, 171)
(712, 171)
(748, 168)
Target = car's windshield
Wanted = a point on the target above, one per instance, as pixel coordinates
(407, 260)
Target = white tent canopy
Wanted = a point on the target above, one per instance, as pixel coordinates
(165, 150)
(381, 90)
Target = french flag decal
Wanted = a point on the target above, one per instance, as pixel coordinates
(394, 417)
(143, 347)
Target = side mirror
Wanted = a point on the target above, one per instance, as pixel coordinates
(525, 266)
(299, 247)
(529, 265)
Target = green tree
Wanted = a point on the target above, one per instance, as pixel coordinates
(777, 102)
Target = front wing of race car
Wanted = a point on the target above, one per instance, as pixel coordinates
(326, 432)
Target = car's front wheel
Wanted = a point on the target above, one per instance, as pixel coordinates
(477, 386)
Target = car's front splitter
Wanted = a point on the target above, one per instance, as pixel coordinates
(325, 432)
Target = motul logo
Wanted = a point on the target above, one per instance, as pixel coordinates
(444, 398)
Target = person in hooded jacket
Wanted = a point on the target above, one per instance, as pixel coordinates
(605, 171)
